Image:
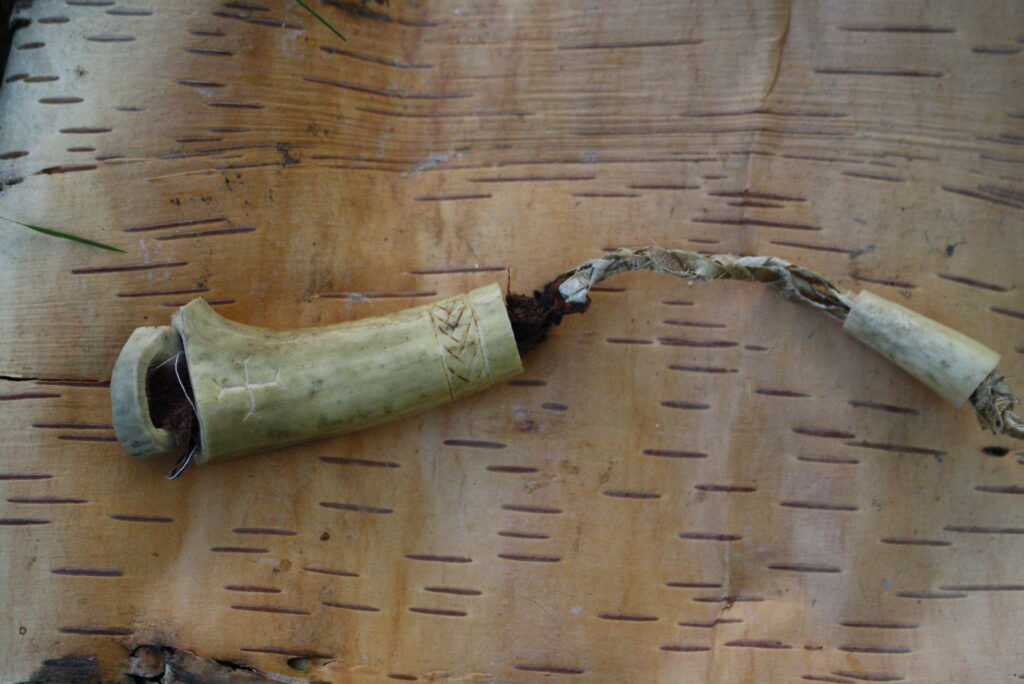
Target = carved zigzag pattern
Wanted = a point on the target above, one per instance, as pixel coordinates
(458, 336)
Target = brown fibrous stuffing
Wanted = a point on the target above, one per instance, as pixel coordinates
(532, 317)
(168, 397)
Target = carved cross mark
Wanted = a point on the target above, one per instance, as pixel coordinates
(249, 388)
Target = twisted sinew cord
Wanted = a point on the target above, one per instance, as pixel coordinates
(992, 400)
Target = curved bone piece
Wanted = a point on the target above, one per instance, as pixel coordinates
(257, 389)
(147, 347)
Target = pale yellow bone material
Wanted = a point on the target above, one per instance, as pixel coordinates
(948, 361)
(147, 347)
(257, 389)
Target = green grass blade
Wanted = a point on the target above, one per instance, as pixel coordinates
(322, 20)
(66, 236)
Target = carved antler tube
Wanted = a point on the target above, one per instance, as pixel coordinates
(256, 389)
